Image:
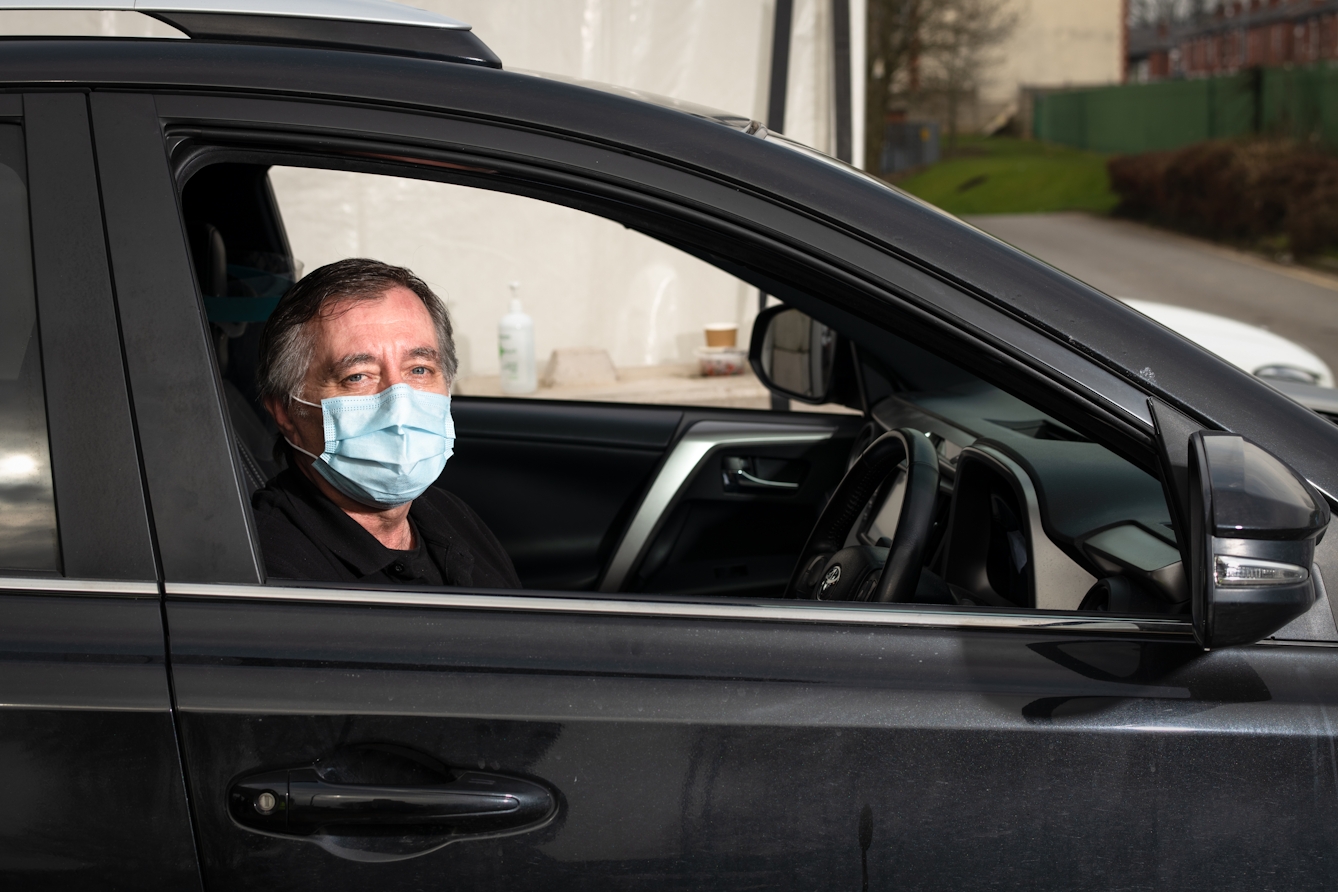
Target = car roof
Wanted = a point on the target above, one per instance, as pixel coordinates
(1154, 359)
(366, 25)
(378, 11)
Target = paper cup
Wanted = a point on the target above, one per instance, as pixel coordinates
(722, 334)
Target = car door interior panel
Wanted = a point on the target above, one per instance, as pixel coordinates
(733, 525)
(633, 487)
(555, 481)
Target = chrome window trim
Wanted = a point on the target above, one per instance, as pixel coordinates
(61, 585)
(790, 611)
(688, 453)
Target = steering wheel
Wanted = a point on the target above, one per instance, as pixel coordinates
(828, 571)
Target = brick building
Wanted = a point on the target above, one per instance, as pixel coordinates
(1239, 34)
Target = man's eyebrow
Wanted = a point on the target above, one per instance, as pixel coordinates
(349, 361)
(423, 353)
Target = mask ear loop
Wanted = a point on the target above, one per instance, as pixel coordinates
(300, 449)
(299, 399)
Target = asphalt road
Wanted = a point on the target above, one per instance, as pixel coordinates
(1128, 260)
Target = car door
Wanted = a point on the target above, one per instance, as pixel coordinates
(683, 741)
(96, 796)
(588, 496)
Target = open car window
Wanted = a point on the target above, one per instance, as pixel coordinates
(1031, 512)
(615, 315)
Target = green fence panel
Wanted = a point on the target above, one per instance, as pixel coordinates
(1132, 118)
(1291, 100)
(1328, 106)
(1231, 105)
(1148, 116)
(1127, 119)
(1113, 119)
(1060, 117)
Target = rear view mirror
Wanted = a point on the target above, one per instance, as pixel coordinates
(1254, 525)
(793, 353)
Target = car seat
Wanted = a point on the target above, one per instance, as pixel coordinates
(234, 309)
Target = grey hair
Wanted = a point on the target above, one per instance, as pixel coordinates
(288, 343)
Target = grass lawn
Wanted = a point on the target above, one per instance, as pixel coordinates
(1002, 175)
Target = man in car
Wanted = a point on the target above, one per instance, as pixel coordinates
(356, 364)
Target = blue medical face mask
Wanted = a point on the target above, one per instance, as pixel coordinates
(386, 449)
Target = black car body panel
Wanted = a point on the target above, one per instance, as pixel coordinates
(99, 497)
(183, 437)
(96, 797)
(699, 753)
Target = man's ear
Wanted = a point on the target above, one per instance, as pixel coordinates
(278, 410)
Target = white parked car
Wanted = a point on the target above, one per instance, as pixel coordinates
(1256, 350)
(1285, 365)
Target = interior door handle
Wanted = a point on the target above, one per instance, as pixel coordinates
(741, 473)
(301, 801)
(758, 481)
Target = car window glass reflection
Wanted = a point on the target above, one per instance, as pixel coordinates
(27, 502)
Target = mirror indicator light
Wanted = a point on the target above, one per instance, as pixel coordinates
(1231, 570)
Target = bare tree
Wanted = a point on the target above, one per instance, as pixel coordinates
(1154, 12)
(893, 33)
(923, 50)
(958, 43)
(1145, 13)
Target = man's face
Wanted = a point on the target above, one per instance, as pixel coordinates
(362, 348)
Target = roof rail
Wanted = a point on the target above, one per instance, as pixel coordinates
(371, 25)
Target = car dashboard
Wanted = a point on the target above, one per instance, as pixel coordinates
(1032, 514)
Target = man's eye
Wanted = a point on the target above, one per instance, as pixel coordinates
(421, 370)
(355, 378)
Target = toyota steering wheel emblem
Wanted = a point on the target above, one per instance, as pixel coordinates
(832, 578)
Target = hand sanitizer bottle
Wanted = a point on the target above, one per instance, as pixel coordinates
(515, 348)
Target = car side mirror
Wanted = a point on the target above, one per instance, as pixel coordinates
(794, 354)
(1254, 524)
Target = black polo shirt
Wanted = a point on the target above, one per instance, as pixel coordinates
(304, 535)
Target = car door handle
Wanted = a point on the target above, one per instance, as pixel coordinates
(298, 802)
(758, 481)
(747, 473)
(472, 797)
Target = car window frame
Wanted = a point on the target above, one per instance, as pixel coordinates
(611, 175)
(266, 127)
(187, 446)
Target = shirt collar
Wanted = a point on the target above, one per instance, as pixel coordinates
(330, 525)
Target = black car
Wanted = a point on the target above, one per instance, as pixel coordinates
(1040, 605)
